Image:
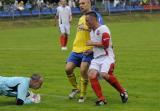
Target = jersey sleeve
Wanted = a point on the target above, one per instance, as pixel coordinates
(70, 11)
(57, 11)
(22, 91)
(105, 39)
(28, 101)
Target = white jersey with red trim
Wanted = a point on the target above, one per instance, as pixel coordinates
(64, 14)
(102, 34)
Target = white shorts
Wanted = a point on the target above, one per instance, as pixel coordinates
(102, 64)
(64, 28)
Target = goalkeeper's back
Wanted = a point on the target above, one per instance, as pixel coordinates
(19, 87)
(14, 86)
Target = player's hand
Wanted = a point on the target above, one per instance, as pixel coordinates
(89, 43)
(88, 52)
(36, 98)
(70, 21)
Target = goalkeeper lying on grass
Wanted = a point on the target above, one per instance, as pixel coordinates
(19, 87)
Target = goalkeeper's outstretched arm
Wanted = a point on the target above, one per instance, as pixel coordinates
(32, 98)
(19, 102)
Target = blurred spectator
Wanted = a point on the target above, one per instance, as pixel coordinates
(116, 3)
(52, 1)
(123, 2)
(40, 3)
(145, 2)
(134, 3)
(28, 6)
(21, 5)
(154, 2)
(48, 5)
(77, 3)
(6, 7)
(71, 3)
(1, 5)
(106, 4)
(22, 1)
(93, 4)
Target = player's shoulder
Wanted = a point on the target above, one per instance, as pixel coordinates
(104, 28)
(16, 80)
(67, 6)
(22, 79)
(82, 17)
(59, 7)
(25, 78)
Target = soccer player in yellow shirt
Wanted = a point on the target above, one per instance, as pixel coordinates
(81, 54)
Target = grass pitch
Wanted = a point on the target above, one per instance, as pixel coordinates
(32, 46)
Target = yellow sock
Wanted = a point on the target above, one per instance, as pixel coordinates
(72, 80)
(83, 87)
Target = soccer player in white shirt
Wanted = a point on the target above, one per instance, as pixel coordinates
(64, 16)
(103, 63)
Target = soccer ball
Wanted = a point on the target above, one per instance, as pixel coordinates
(35, 98)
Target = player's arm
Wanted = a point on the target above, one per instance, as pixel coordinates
(31, 98)
(70, 18)
(55, 20)
(70, 15)
(23, 96)
(97, 44)
(88, 52)
(103, 43)
(22, 93)
(56, 17)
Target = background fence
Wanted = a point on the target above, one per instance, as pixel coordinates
(108, 7)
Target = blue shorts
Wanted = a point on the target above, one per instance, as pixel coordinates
(77, 58)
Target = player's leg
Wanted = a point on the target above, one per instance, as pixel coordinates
(62, 36)
(72, 62)
(67, 32)
(84, 76)
(69, 68)
(65, 41)
(112, 80)
(93, 75)
(83, 80)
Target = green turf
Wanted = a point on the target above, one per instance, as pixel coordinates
(33, 47)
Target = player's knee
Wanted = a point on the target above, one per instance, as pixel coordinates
(105, 76)
(84, 68)
(84, 74)
(68, 70)
(92, 74)
(62, 34)
(83, 71)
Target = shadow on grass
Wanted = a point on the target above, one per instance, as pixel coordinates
(7, 103)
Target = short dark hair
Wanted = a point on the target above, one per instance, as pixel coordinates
(92, 13)
(36, 77)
